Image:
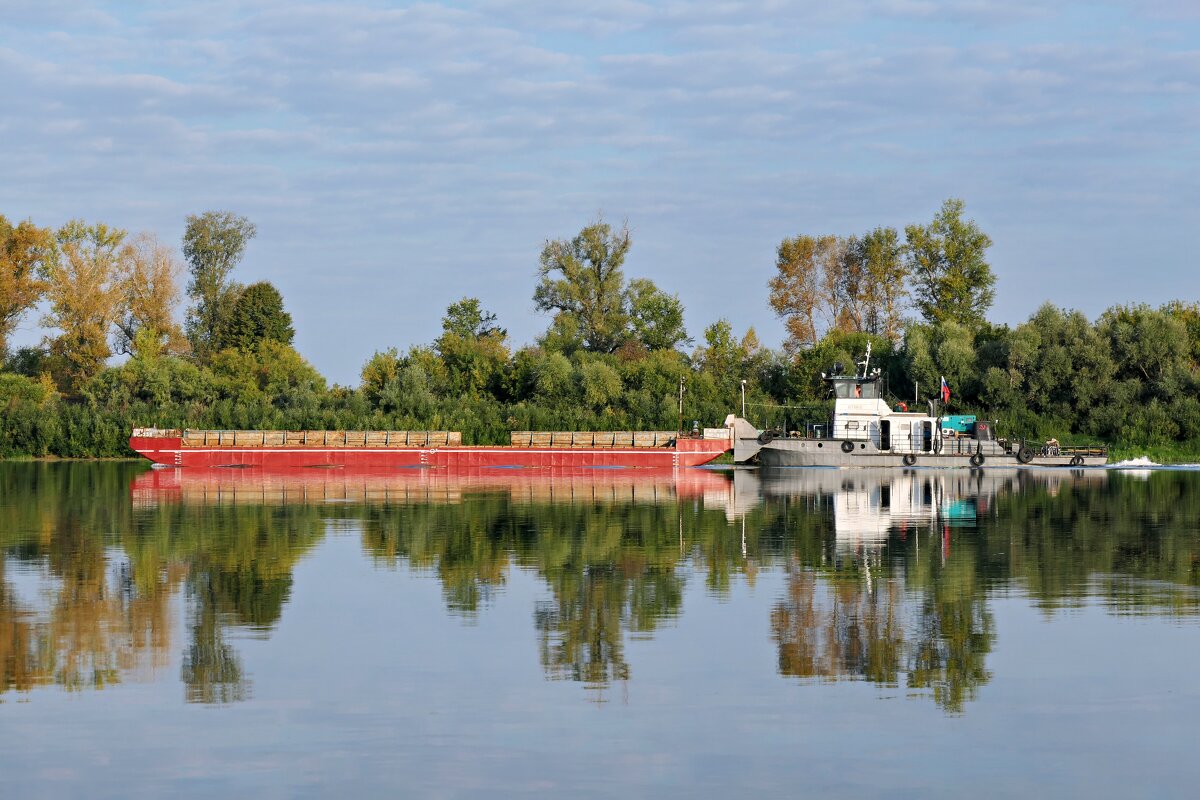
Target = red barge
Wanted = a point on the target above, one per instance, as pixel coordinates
(384, 449)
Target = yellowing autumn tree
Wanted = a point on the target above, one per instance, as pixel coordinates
(84, 287)
(24, 248)
(797, 291)
(150, 289)
(845, 285)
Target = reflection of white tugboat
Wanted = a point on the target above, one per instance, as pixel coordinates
(868, 505)
(866, 432)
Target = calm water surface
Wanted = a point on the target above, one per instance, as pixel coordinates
(602, 633)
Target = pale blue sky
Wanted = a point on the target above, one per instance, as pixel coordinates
(396, 157)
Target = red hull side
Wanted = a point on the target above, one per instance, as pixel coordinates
(170, 451)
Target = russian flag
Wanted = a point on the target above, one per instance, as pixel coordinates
(945, 390)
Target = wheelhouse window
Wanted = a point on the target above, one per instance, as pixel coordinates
(856, 390)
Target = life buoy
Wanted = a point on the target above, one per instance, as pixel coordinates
(766, 437)
(1077, 461)
(847, 446)
(977, 460)
(1025, 455)
(909, 459)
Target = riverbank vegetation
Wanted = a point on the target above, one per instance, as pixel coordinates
(613, 356)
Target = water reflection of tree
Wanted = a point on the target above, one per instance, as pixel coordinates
(96, 622)
(212, 671)
(240, 576)
(611, 568)
(466, 545)
(111, 572)
(953, 635)
(831, 625)
(829, 629)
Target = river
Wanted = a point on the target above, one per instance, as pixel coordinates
(598, 633)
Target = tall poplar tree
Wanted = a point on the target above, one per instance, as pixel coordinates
(213, 244)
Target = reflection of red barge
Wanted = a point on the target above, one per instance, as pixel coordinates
(308, 486)
(370, 449)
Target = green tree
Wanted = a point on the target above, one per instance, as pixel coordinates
(655, 316)
(552, 376)
(25, 249)
(380, 371)
(1189, 315)
(951, 276)
(1065, 365)
(1147, 344)
(467, 319)
(258, 316)
(472, 347)
(271, 370)
(213, 244)
(931, 352)
(582, 283)
(600, 384)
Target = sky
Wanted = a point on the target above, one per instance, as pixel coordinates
(398, 157)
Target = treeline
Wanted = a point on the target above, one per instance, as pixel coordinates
(614, 355)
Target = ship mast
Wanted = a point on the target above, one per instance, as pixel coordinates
(866, 360)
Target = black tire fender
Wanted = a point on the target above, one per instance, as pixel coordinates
(766, 437)
(1077, 461)
(1025, 455)
(977, 460)
(847, 446)
(909, 459)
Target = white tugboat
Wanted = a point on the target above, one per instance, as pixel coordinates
(866, 432)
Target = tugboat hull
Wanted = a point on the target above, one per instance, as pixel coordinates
(829, 453)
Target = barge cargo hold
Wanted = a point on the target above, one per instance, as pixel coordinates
(384, 449)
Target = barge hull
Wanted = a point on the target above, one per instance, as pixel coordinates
(170, 451)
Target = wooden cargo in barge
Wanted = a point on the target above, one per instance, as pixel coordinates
(383, 449)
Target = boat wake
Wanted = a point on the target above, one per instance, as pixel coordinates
(1141, 462)
(1145, 464)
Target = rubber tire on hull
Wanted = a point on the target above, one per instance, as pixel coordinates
(847, 446)
(977, 460)
(1025, 455)
(766, 437)
(909, 459)
(1077, 461)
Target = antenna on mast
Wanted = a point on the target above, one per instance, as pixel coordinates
(866, 360)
